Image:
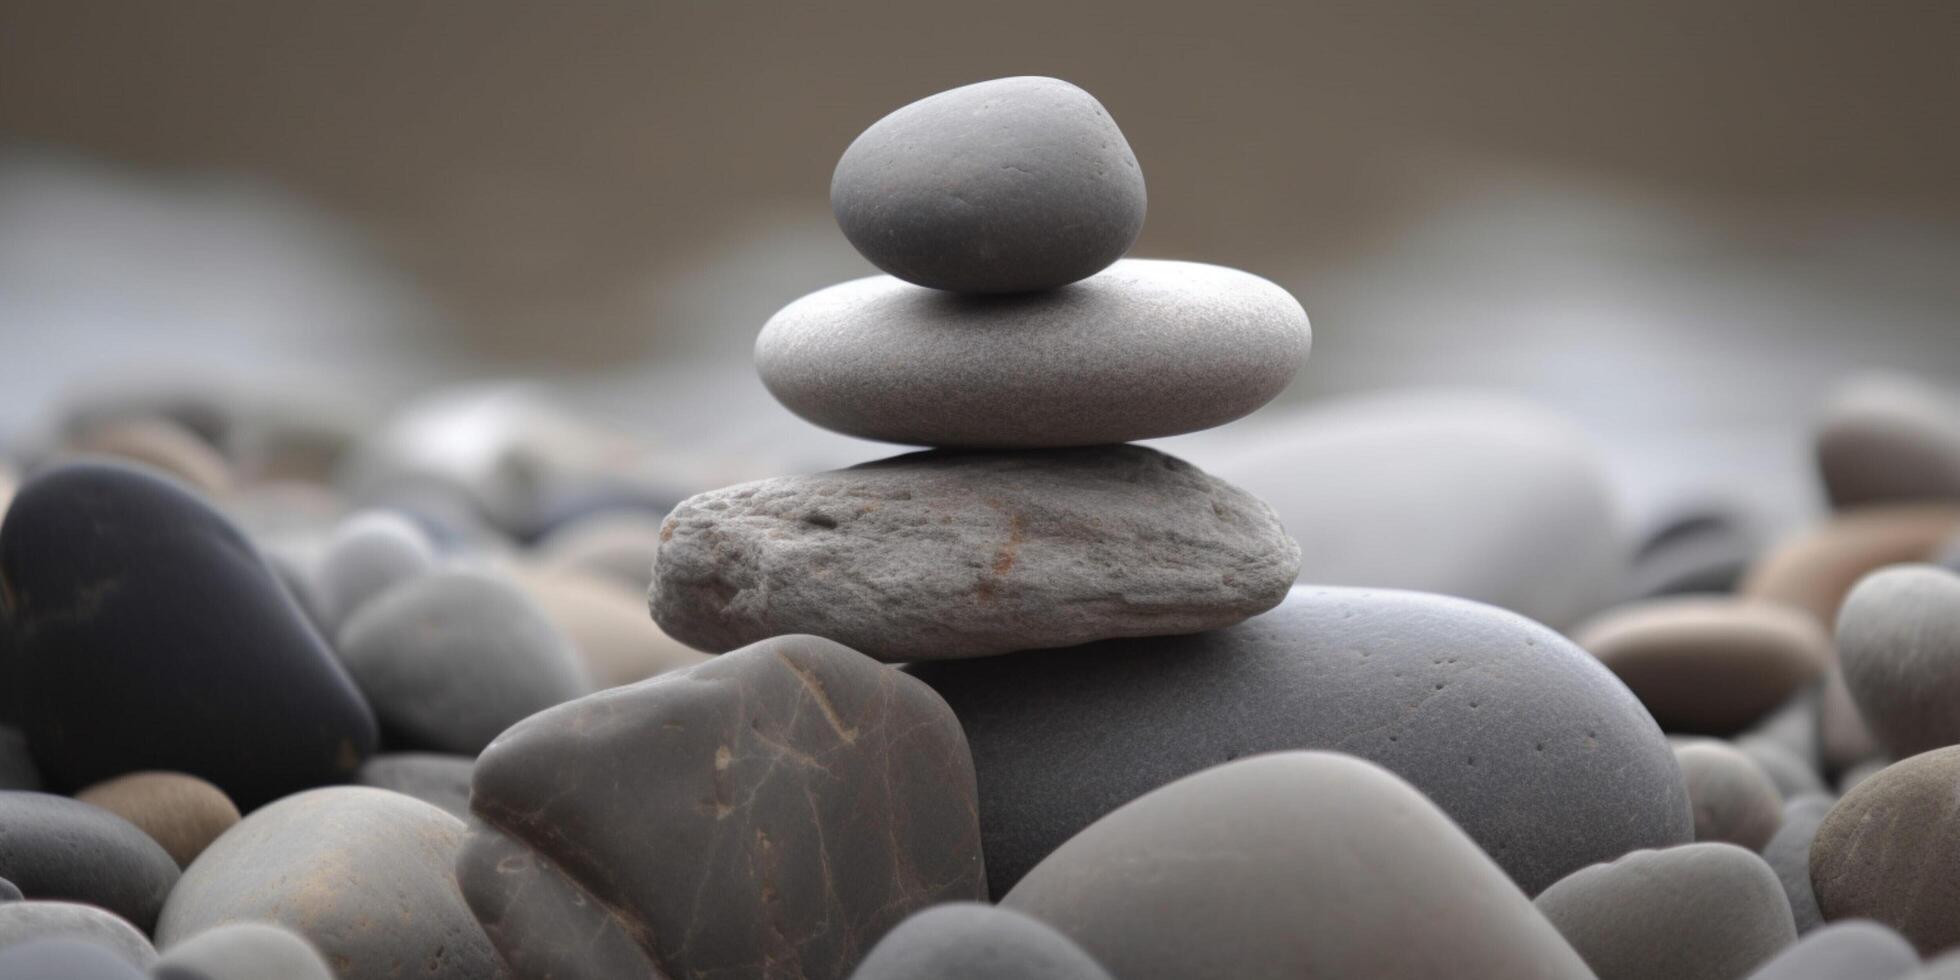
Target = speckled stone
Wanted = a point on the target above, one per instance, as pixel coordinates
(970, 941)
(1291, 864)
(54, 847)
(772, 812)
(1705, 664)
(1525, 740)
(1815, 569)
(369, 552)
(24, 922)
(1885, 852)
(243, 951)
(442, 781)
(1733, 799)
(64, 959)
(1001, 186)
(182, 813)
(1696, 912)
(1855, 950)
(1898, 638)
(1888, 438)
(946, 555)
(1147, 348)
(363, 874)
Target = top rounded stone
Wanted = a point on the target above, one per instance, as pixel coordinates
(1004, 186)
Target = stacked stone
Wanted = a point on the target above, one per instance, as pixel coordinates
(1011, 337)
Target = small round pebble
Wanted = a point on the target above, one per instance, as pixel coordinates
(1001, 186)
(1788, 852)
(182, 813)
(1733, 799)
(970, 941)
(55, 847)
(1885, 851)
(1706, 664)
(22, 922)
(1853, 950)
(243, 951)
(1899, 641)
(442, 781)
(370, 552)
(64, 959)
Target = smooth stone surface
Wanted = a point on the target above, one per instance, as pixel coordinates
(608, 625)
(243, 951)
(1703, 550)
(453, 657)
(1145, 349)
(1888, 438)
(1898, 638)
(946, 555)
(1794, 726)
(619, 546)
(166, 621)
(442, 781)
(1291, 864)
(1733, 799)
(363, 874)
(54, 847)
(1479, 495)
(969, 941)
(1704, 910)
(9, 892)
(1815, 569)
(1885, 852)
(1791, 775)
(772, 812)
(23, 922)
(163, 444)
(1705, 664)
(1002, 186)
(369, 553)
(182, 813)
(1525, 740)
(64, 959)
(1855, 950)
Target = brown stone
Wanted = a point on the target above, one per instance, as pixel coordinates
(1734, 800)
(1885, 851)
(182, 813)
(1709, 665)
(1816, 568)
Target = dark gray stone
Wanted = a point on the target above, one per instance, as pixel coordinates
(1147, 348)
(944, 555)
(1287, 865)
(772, 812)
(1733, 799)
(1888, 438)
(64, 959)
(55, 847)
(365, 875)
(1788, 853)
(1001, 186)
(1898, 639)
(968, 941)
(1522, 738)
(453, 657)
(1696, 912)
(243, 951)
(370, 552)
(442, 781)
(1701, 551)
(1855, 950)
(1885, 852)
(24, 922)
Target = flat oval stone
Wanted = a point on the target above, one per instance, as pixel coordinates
(243, 951)
(1885, 852)
(55, 847)
(1289, 865)
(1147, 348)
(1733, 799)
(944, 555)
(1712, 911)
(182, 813)
(370, 552)
(365, 875)
(1522, 738)
(1886, 438)
(64, 959)
(1709, 665)
(442, 781)
(24, 922)
(408, 647)
(167, 621)
(1898, 638)
(772, 812)
(1001, 186)
(969, 941)
(608, 625)
(1815, 569)
(1788, 853)
(1844, 950)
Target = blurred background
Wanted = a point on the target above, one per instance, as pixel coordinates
(1677, 223)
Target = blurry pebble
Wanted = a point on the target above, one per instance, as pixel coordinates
(9, 892)
(22, 922)
(1789, 854)
(1899, 641)
(1733, 800)
(970, 941)
(1854, 950)
(1792, 776)
(64, 959)
(1705, 664)
(1886, 851)
(163, 444)
(243, 951)
(1851, 777)
(608, 624)
(1699, 551)
(182, 813)
(441, 781)
(1844, 739)
(370, 552)
(620, 546)
(1794, 726)
(54, 847)
(1887, 438)
(1816, 568)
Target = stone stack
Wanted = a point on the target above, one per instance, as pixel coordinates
(1011, 338)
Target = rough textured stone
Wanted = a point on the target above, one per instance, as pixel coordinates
(1703, 550)
(1148, 348)
(944, 555)
(1855, 950)
(608, 625)
(243, 951)
(1888, 438)
(1698, 911)
(1816, 568)
(1001, 186)
(22, 922)
(968, 941)
(1292, 864)
(453, 657)
(64, 959)
(1733, 799)
(772, 812)
(1522, 738)
(364, 874)
(1885, 851)
(182, 813)
(54, 847)
(1898, 638)
(442, 781)
(139, 611)
(370, 552)
(1709, 665)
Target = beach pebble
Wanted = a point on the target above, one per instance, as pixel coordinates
(163, 444)
(1854, 950)
(182, 813)
(1788, 853)
(969, 941)
(1699, 551)
(1888, 438)
(787, 803)
(1733, 799)
(453, 657)
(365, 875)
(1702, 910)
(1000, 186)
(1885, 852)
(1313, 864)
(370, 552)
(1845, 741)
(1815, 568)
(165, 643)
(617, 545)
(1145, 349)
(945, 555)
(64, 959)
(1898, 638)
(1792, 776)
(442, 781)
(1523, 739)
(608, 625)
(243, 951)
(54, 847)
(1850, 778)
(23, 922)
(1705, 664)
